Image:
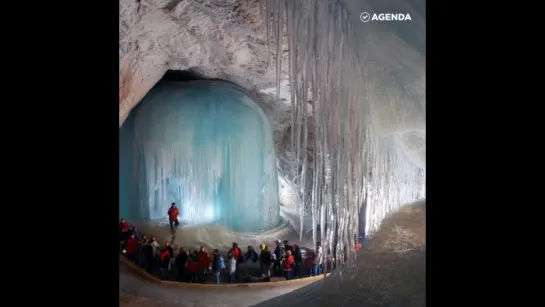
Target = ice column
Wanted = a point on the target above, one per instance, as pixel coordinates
(208, 147)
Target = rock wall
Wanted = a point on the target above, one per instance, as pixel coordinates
(215, 39)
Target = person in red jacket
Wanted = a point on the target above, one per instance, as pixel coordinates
(164, 261)
(287, 265)
(192, 269)
(358, 246)
(203, 262)
(173, 217)
(123, 232)
(131, 248)
(123, 225)
(236, 252)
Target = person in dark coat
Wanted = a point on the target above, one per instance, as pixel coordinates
(298, 258)
(216, 265)
(181, 261)
(288, 246)
(136, 233)
(169, 249)
(148, 254)
(278, 253)
(265, 261)
(250, 255)
(140, 251)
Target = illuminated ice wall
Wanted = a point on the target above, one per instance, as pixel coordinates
(208, 147)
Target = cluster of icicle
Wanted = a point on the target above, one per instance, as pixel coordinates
(350, 169)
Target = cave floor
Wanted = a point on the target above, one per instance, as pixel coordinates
(134, 290)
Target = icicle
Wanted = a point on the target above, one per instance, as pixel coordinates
(268, 13)
(352, 164)
(279, 41)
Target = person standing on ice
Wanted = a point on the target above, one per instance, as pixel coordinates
(173, 217)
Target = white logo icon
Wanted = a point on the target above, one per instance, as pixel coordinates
(365, 17)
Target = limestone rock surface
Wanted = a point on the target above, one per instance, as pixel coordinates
(223, 39)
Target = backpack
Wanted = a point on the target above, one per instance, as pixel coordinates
(222, 263)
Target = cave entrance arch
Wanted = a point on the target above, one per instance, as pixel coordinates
(205, 145)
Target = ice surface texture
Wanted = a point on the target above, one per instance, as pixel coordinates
(206, 146)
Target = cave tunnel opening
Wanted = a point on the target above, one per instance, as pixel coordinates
(205, 145)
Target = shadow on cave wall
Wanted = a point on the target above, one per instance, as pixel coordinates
(187, 75)
(181, 76)
(191, 75)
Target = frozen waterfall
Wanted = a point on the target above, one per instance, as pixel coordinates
(208, 147)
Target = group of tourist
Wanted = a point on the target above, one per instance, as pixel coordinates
(286, 260)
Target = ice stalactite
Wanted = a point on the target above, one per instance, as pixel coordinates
(349, 163)
(208, 147)
(393, 181)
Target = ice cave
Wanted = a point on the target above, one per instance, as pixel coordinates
(206, 146)
(316, 132)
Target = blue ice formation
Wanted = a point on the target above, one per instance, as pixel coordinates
(208, 147)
